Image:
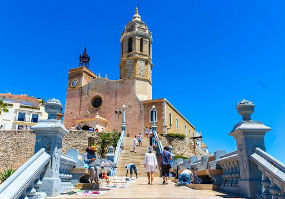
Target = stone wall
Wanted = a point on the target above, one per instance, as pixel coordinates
(78, 140)
(18, 146)
(183, 147)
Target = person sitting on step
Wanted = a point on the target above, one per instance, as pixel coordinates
(90, 159)
(132, 167)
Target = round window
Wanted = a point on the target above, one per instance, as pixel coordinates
(96, 102)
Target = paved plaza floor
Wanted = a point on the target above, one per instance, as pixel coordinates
(141, 190)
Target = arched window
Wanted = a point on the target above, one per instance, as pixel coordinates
(130, 45)
(151, 115)
(185, 130)
(170, 119)
(149, 48)
(141, 45)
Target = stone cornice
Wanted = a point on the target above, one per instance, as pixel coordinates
(82, 69)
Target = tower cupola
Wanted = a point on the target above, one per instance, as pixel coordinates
(84, 59)
(136, 50)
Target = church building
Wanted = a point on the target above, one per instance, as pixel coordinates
(96, 102)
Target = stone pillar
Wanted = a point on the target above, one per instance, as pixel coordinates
(153, 118)
(124, 118)
(49, 135)
(248, 135)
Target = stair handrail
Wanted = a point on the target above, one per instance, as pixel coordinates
(269, 166)
(158, 142)
(119, 148)
(25, 176)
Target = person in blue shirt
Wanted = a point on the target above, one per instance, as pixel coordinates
(90, 159)
(164, 160)
(132, 167)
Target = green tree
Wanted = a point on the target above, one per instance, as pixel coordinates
(107, 139)
(3, 106)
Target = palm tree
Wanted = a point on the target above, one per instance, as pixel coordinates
(3, 106)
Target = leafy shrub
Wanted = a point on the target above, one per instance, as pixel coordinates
(106, 140)
(180, 156)
(6, 174)
(180, 136)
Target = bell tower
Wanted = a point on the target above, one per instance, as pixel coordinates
(136, 56)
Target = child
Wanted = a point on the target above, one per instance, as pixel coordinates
(140, 139)
(104, 174)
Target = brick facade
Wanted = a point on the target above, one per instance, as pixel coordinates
(114, 94)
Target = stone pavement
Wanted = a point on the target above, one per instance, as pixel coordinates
(141, 190)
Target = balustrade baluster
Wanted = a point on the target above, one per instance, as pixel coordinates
(230, 174)
(235, 173)
(274, 190)
(238, 172)
(282, 193)
(266, 184)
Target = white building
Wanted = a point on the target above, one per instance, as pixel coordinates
(23, 112)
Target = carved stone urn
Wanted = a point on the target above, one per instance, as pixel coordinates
(53, 107)
(245, 108)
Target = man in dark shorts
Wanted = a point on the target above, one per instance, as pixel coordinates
(165, 157)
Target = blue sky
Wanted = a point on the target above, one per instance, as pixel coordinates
(207, 55)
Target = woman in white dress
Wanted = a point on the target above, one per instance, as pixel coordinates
(150, 163)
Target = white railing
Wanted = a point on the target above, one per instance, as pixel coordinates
(118, 149)
(273, 175)
(158, 142)
(66, 164)
(231, 172)
(26, 180)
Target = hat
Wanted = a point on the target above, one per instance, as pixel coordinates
(93, 148)
(149, 149)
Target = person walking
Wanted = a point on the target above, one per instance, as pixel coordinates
(135, 143)
(133, 168)
(150, 140)
(140, 139)
(150, 164)
(146, 132)
(150, 132)
(164, 161)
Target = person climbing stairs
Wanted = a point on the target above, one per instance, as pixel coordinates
(128, 156)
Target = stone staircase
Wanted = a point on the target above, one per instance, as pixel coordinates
(128, 156)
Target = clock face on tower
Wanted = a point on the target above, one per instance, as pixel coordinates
(74, 83)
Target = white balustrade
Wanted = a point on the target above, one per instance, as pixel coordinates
(66, 164)
(231, 172)
(273, 175)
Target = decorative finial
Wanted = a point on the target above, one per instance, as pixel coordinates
(245, 108)
(84, 59)
(137, 16)
(53, 108)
